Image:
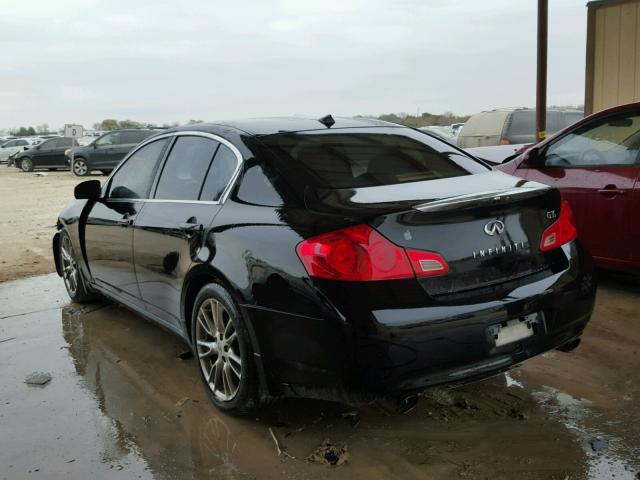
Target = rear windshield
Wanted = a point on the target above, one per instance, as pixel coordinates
(368, 159)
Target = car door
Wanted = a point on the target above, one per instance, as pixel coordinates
(42, 155)
(171, 232)
(55, 155)
(9, 148)
(103, 149)
(596, 166)
(109, 224)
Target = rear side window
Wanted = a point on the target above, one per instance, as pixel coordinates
(129, 137)
(133, 179)
(220, 174)
(143, 134)
(65, 142)
(186, 167)
(522, 123)
(350, 160)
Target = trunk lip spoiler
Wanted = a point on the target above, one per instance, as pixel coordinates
(486, 197)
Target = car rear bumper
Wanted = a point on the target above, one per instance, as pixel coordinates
(407, 349)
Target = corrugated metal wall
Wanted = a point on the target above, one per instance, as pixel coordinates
(616, 55)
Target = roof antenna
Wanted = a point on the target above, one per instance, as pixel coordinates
(327, 121)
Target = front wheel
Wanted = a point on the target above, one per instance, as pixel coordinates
(80, 167)
(223, 351)
(26, 164)
(71, 273)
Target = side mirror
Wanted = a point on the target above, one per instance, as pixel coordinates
(532, 158)
(89, 190)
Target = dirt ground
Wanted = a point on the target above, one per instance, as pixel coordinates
(30, 207)
(122, 404)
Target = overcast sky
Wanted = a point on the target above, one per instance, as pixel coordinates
(68, 61)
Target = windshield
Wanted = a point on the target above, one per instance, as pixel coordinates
(368, 158)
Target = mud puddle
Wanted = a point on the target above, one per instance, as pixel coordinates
(122, 404)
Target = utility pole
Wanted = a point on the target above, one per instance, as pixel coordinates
(541, 82)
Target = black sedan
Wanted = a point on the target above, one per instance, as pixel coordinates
(48, 154)
(340, 259)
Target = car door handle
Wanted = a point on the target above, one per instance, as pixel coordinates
(610, 192)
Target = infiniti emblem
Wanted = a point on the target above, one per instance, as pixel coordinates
(493, 227)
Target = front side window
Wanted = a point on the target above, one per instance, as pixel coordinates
(108, 139)
(186, 167)
(21, 143)
(48, 144)
(607, 142)
(353, 159)
(134, 178)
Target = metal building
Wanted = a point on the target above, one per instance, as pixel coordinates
(613, 54)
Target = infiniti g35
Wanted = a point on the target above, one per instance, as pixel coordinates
(338, 259)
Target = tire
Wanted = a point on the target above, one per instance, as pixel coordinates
(79, 167)
(221, 373)
(26, 164)
(71, 274)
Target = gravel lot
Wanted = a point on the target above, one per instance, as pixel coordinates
(31, 203)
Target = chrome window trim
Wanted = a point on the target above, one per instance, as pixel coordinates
(190, 133)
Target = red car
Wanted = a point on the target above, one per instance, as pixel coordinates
(596, 164)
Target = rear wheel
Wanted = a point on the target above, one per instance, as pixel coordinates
(80, 167)
(223, 351)
(26, 164)
(71, 274)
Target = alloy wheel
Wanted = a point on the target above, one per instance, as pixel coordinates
(69, 266)
(80, 168)
(218, 349)
(26, 165)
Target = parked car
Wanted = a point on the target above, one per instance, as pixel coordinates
(106, 151)
(298, 259)
(444, 133)
(10, 147)
(596, 165)
(48, 154)
(511, 126)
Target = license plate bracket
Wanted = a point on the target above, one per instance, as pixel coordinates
(515, 330)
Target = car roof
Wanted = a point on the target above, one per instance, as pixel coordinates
(275, 125)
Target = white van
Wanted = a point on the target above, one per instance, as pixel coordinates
(511, 126)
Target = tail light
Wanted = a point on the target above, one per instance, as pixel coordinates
(504, 141)
(562, 231)
(360, 253)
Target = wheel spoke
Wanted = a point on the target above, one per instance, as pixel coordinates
(232, 338)
(235, 368)
(231, 384)
(217, 316)
(217, 375)
(204, 324)
(211, 349)
(234, 358)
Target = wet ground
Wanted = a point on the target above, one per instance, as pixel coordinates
(122, 404)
